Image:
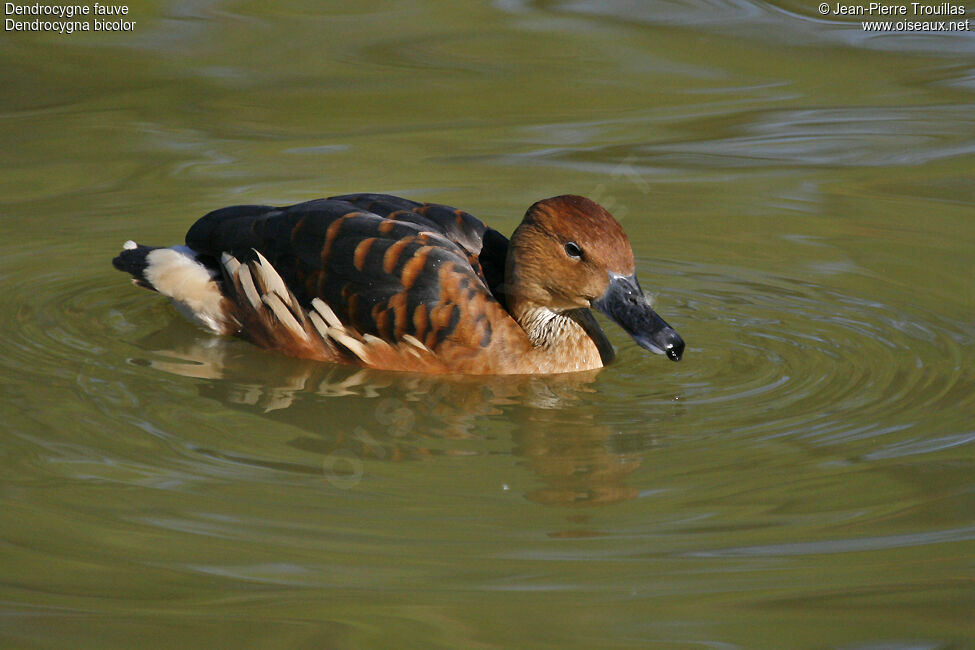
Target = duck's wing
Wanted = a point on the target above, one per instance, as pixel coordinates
(406, 275)
(486, 248)
(462, 228)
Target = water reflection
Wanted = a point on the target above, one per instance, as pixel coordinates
(578, 460)
(579, 464)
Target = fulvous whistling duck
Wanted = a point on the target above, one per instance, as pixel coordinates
(381, 281)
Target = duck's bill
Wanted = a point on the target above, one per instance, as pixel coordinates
(625, 303)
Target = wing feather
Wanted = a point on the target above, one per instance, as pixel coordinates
(355, 266)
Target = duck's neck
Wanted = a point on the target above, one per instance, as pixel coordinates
(563, 340)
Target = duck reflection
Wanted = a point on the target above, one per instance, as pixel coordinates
(553, 420)
(578, 463)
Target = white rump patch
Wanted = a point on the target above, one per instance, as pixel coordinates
(176, 273)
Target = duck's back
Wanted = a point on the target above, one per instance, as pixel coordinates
(386, 266)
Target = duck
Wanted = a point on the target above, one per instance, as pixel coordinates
(385, 282)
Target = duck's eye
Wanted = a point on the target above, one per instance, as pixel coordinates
(572, 250)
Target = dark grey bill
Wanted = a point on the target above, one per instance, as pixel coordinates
(625, 303)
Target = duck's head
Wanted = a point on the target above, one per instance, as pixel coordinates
(569, 252)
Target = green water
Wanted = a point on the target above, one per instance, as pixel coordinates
(800, 197)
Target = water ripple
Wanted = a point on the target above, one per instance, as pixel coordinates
(783, 357)
(846, 545)
(841, 137)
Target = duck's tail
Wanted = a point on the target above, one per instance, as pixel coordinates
(178, 273)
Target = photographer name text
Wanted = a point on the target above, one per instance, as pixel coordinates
(909, 9)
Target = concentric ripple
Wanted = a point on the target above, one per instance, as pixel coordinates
(788, 357)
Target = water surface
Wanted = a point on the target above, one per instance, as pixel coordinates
(799, 196)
